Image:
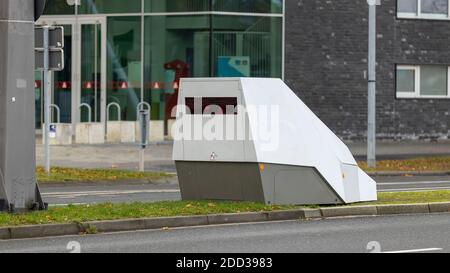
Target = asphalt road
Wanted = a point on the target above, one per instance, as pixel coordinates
(414, 183)
(120, 193)
(413, 233)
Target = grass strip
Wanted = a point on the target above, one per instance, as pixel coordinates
(425, 164)
(83, 213)
(76, 175)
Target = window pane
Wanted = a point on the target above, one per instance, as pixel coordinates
(175, 47)
(38, 75)
(109, 6)
(407, 6)
(124, 65)
(435, 6)
(433, 80)
(210, 105)
(176, 5)
(253, 6)
(55, 7)
(90, 72)
(406, 80)
(247, 46)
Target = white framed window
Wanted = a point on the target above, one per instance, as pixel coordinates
(424, 9)
(423, 81)
(408, 81)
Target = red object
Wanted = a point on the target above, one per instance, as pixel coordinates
(156, 85)
(64, 85)
(181, 71)
(123, 85)
(37, 84)
(88, 85)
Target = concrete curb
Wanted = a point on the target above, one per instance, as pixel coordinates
(439, 207)
(38, 231)
(349, 211)
(403, 209)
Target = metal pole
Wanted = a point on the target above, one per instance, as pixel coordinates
(18, 187)
(142, 160)
(371, 131)
(46, 99)
(144, 120)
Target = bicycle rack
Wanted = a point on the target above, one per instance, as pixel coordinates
(58, 112)
(118, 110)
(90, 110)
(140, 107)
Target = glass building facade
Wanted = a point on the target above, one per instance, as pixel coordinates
(122, 53)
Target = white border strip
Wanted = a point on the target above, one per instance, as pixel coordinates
(413, 250)
(172, 14)
(16, 21)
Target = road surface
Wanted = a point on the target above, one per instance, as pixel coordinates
(413, 233)
(120, 193)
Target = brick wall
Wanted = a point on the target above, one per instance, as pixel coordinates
(326, 56)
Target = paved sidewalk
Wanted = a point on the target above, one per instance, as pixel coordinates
(159, 156)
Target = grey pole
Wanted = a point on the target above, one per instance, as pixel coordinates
(18, 188)
(46, 99)
(371, 131)
(144, 121)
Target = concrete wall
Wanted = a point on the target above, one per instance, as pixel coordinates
(89, 133)
(326, 56)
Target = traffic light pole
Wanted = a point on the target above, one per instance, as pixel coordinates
(18, 187)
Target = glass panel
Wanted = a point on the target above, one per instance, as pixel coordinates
(55, 7)
(38, 99)
(406, 80)
(110, 6)
(407, 6)
(211, 106)
(253, 6)
(124, 65)
(62, 81)
(435, 6)
(90, 72)
(247, 46)
(433, 80)
(176, 5)
(175, 47)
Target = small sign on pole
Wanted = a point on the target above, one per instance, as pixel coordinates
(55, 37)
(55, 62)
(55, 48)
(49, 56)
(52, 133)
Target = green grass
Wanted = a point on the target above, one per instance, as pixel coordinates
(440, 164)
(74, 175)
(84, 213)
(412, 197)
